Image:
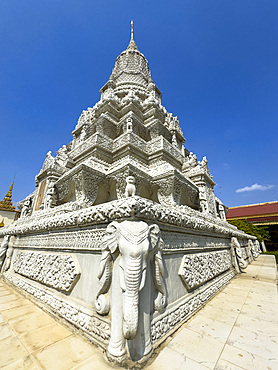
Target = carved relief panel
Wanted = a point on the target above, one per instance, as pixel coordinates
(197, 269)
(59, 271)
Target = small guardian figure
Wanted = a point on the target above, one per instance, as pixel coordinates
(222, 212)
(174, 140)
(50, 197)
(26, 207)
(129, 124)
(83, 134)
(203, 202)
(130, 187)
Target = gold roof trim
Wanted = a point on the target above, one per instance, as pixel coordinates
(255, 204)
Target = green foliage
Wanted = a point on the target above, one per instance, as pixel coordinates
(260, 232)
(275, 253)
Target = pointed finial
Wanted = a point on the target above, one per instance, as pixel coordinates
(131, 26)
(132, 45)
(6, 203)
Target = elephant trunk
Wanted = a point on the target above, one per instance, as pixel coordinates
(133, 275)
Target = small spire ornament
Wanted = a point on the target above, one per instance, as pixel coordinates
(131, 26)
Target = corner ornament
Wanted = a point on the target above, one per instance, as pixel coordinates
(131, 253)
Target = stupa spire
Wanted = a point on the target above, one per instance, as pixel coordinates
(131, 26)
(132, 43)
(6, 204)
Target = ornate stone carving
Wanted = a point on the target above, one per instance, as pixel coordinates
(59, 271)
(50, 196)
(70, 239)
(129, 249)
(86, 187)
(197, 269)
(63, 189)
(190, 162)
(165, 192)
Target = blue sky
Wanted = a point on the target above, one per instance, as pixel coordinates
(215, 62)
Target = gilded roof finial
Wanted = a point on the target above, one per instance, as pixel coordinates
(132, 45)
(131, 26)
(6, 203)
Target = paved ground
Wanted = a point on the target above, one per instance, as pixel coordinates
(238, 329)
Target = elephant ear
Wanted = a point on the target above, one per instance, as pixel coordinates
(156, 241)
(109, 246)
(110, 239)
(158, 273)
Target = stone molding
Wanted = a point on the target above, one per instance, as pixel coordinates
(88, 239)
(133, 207)
(177, 241)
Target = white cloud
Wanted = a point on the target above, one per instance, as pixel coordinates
(254, 187)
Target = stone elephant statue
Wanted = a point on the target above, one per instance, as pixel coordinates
(131, 263)
(238, 261)
(3, 249)
(257, 246)
(252, 247)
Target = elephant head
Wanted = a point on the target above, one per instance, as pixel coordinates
(257, 246)
(3, 250)
(238, 260)
(137, 245)
(253, 249)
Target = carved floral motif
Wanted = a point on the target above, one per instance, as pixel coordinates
(197, 269)
(81, 239)
(59, 271)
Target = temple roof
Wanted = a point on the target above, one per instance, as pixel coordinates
(253, 210)
(255, 213)
(6, 204)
